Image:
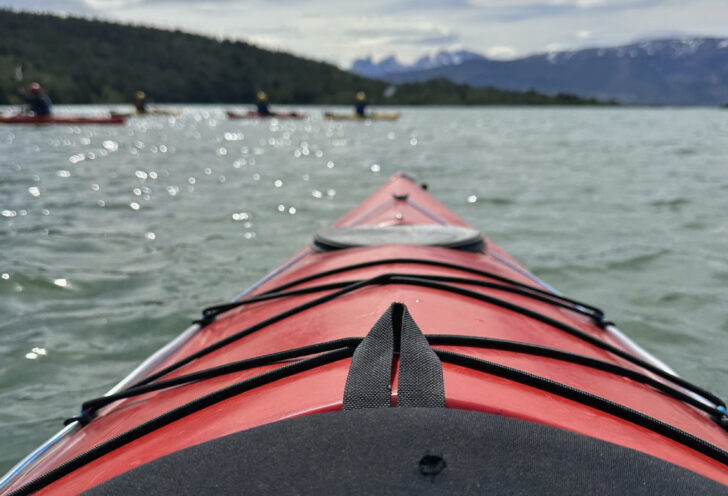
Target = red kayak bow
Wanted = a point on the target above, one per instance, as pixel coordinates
(400, 352)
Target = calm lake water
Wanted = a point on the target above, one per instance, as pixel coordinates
(113, 238)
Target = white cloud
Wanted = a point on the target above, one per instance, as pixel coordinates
(582, 4)
(110, 4)
(340, 31)
(501, 52)
(555, 47)
(583, 34)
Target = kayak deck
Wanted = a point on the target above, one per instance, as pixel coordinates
(149, 113)
(509, 347)
(256, 115)
(374, 116)
(56, 119)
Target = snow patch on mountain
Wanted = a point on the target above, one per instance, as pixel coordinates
(390, 65)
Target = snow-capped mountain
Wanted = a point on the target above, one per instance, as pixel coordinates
(390, 65)
(674, 71)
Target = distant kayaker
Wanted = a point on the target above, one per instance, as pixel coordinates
(140, 102)
(37, 102)
(361, 104)
(261, 102)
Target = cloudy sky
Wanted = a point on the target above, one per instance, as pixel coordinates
(341, 30)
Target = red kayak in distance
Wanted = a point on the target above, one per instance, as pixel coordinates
(257, 115)
(399, 352)
(58, 119)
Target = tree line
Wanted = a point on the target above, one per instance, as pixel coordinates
(79, 60)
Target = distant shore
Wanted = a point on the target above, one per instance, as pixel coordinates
(79, 60)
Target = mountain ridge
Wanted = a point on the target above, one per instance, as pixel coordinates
(662, 71)
(368, 68)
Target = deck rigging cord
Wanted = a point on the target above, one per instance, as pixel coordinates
(424, 281)
(319, 354)
(345, 351)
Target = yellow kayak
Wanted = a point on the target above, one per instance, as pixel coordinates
(151, 112)
(374, 116)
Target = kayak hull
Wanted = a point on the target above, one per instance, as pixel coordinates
(374, 116)
(150, 113)
(447, 305)
(255, 115)
(55, 119)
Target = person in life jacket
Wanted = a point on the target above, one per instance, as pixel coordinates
(361, 104)
(261, 103)
(140, 102)
(37, 102)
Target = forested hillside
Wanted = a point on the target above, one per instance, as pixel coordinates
(87, 61)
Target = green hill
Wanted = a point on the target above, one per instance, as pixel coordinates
(87, 61)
